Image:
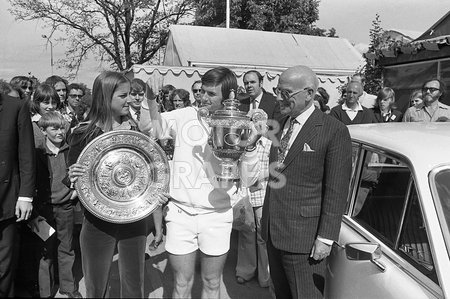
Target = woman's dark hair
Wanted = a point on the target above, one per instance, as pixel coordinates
(100, 113)
(324, 94)
(221, 75)
(52, 80)
(43, 93)
(19, 83)
(183, 94)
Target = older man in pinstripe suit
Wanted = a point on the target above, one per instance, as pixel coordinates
(310, 173)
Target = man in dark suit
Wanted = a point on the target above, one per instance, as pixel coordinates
(17, 174)
(307, 190)
(259, 98)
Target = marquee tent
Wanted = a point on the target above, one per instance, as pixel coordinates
(191, 50)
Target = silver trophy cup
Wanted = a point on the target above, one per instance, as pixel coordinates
(230, 133)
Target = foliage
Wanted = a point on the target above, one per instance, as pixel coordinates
(373, 71)
(121, 32)
(289, 16)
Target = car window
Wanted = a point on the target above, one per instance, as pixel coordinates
(387, 205)
(381, 196)
(441, 182)
(413, 241)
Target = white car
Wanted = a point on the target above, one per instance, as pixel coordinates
(395, 240)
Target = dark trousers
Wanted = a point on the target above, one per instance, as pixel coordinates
(295, 275)
(8, 256)
(58, 249)
(98, 240)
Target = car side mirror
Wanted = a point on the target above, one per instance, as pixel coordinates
(365, 252)
(362, 251)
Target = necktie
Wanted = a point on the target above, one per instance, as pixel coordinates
(285, 141)
(254, 104)
(138, 115)
(386, 117)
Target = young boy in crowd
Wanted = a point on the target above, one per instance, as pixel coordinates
(54, 204)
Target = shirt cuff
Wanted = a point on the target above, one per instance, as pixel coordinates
(25, 199)
(326, 241)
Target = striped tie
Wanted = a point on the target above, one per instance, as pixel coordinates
(285, 141)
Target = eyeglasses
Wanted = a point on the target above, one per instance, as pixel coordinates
(75, 96)
(285, 95)
(431, 89)
(196, 90)
(58, 90)
(141, 94)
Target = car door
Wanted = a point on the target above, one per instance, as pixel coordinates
(383, 249)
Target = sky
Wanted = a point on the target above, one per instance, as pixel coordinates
(23, 49)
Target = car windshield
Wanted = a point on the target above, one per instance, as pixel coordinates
(442, 185)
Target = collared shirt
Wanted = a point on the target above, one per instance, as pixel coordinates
(301, 120)
(352, 112)
(423, 114)
(257, 101)
(257, 192)
(386, 116)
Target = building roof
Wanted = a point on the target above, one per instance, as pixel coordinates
(238, 48)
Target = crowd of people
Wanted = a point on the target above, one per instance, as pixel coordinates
(297, 204)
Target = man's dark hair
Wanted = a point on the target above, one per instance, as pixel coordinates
(75, 86)
(221, 75)
(258, 74)
(137, 85)
(442, 86)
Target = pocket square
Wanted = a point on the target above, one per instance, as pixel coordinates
(307, 148)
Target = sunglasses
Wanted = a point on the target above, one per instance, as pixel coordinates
(286, 95)
(431, 89)
(58, 90)
(141, 94)
(196, 90)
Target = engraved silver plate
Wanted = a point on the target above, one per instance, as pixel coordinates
(126, 169)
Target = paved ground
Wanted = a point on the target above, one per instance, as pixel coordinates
(158, 278)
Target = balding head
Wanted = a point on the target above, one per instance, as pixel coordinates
(298, 84)
(354, 91)
(301, 76)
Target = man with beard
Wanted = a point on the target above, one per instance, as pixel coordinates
(431, 109)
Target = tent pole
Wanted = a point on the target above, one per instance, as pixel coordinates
(228, 14)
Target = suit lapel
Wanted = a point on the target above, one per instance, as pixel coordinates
(307, 132)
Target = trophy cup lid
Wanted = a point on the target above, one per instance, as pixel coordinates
(231, 108)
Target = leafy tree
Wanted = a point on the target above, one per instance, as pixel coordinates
(289, 16)
(373, 70)
(121, 32)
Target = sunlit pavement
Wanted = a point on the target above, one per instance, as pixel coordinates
(159, 280)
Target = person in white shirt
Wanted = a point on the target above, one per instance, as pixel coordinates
(199, 214)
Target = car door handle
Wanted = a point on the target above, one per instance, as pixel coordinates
(379, 264)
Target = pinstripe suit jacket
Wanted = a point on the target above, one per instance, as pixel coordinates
(306, 197)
